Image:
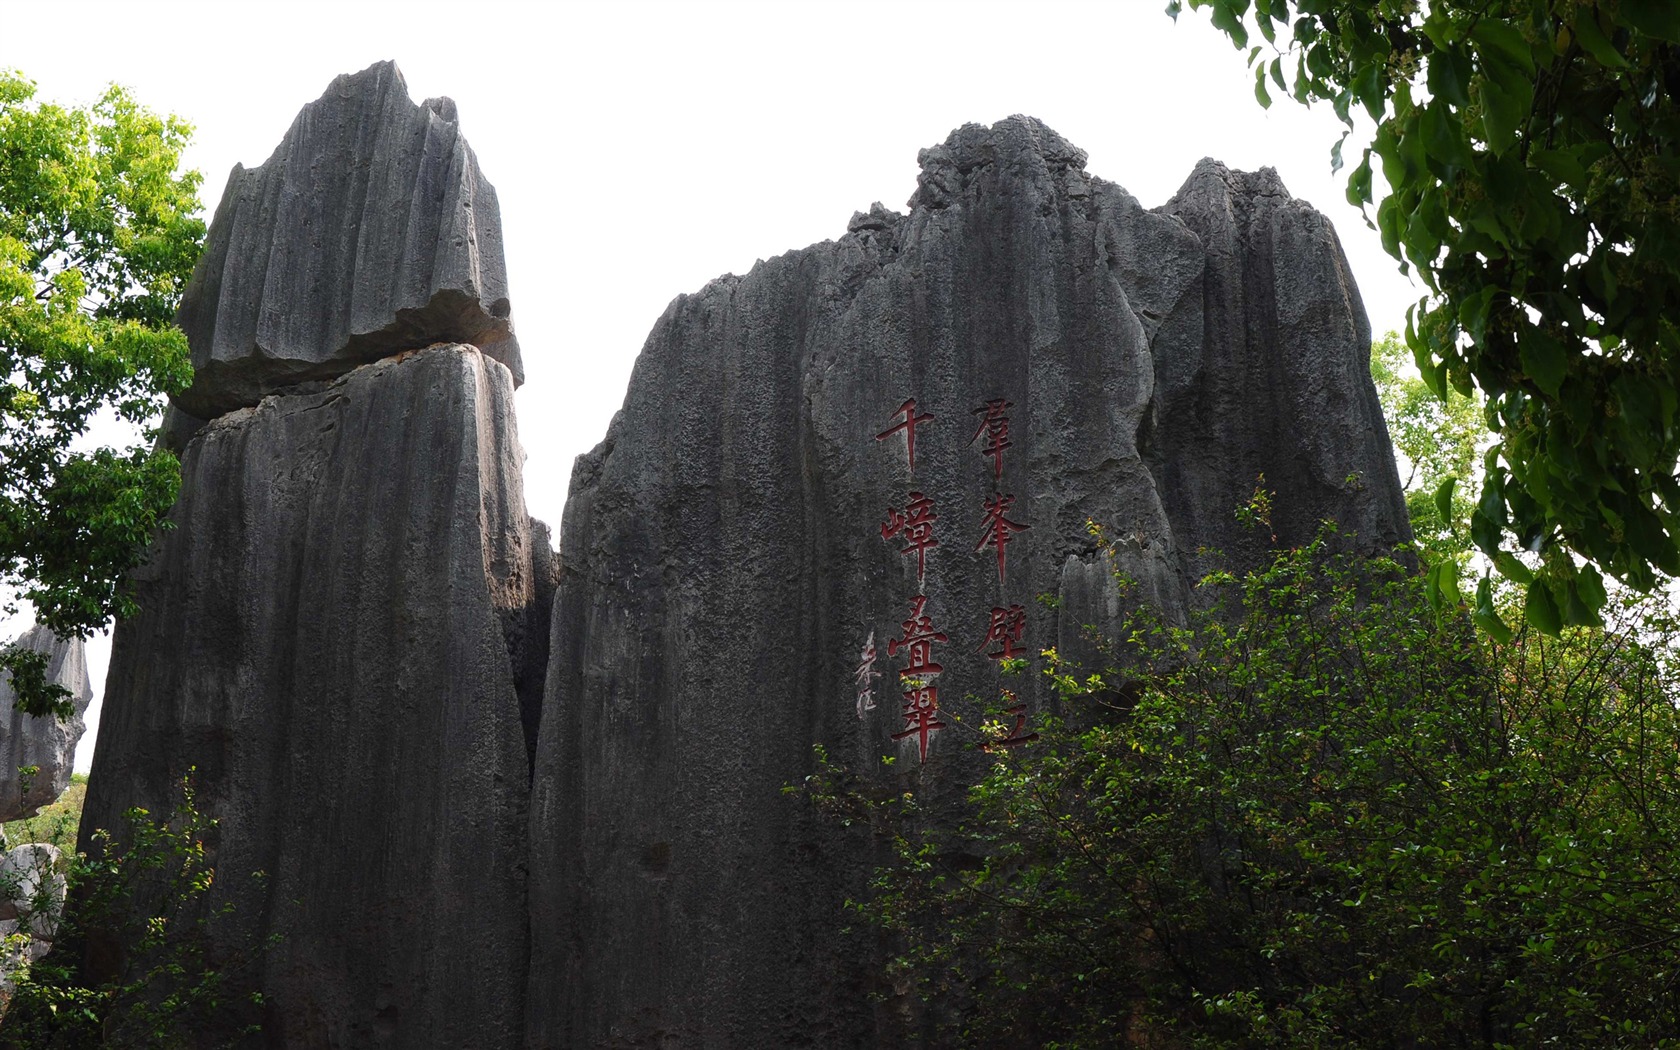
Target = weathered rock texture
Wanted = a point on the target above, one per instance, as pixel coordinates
(45, 743)
(325, 635)
(370, 230)
(725, 563)
(346, 631)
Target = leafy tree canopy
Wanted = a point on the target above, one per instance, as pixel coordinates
(1534, 184)
(99, 231)
(1323, 816)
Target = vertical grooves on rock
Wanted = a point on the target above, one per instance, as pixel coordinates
(745, 465)
(343, 255)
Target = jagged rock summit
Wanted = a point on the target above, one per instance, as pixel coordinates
(45, 743)
(369, 230)
(847, 485)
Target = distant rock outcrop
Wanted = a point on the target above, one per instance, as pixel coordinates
(370, 230)
(44, 744)
(842, 489)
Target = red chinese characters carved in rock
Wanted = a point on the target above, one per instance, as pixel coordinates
(1005, 630)
(995, 425)
(919, 636)
(998, 529)
(915, 521)
(1014, 736)
(921, 716)
(908, 424)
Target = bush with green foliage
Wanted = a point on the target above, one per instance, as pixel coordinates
(168, 988)
(1318, 816)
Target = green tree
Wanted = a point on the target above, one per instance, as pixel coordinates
(1438, 440)
(1322, 817)
(99, 231)
(1528, 147)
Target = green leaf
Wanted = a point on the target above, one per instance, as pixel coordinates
(1590, 586)
(1544, 358)
(1359, 183)
(1644, 532)
(1487, 617)
(1443, 137)
(1446, 571)
(1513, 569)
(1593, 41)
(1473, 313)
(1260, 94)
(1449, 76)
(1504, 108)
(1389, 222)
(1562, 165)
(1484, 533)
(1502, 42)
(1443, 500)
(1228, 18)
(1541, 609)
(1367, 84)
(1658, 18)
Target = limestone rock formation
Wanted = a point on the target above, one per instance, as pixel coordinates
(369, 230)
(32, 886)
(44, 743)
(325, 635)
(32, 889)
(345, 632)
(835, 492)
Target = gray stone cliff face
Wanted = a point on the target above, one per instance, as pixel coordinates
(754, 564)
(370, 230)
(45, 743)
(323, 637)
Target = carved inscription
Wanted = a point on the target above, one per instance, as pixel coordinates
(912, 525)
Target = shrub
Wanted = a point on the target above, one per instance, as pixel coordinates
(1317, 816)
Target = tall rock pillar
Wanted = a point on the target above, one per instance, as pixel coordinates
(843, 490)
(333, 633)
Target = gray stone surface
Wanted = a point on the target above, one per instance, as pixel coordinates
(333, 634)
(30, 880)
(369, 230)
(725, 564)
(46, 743)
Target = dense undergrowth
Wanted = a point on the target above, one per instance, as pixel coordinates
(1320, 815)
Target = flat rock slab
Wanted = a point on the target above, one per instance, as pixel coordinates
(872, 463)
(332, 636)
(369, 230)
(42, 742)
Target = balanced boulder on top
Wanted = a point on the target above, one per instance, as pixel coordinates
(369, 230)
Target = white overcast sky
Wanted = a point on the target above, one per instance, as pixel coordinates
(640, 149)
